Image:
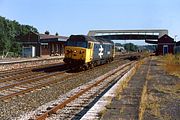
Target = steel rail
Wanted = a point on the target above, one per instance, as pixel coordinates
(30, 73)
(38, 78)
(63, 104)
(30, 88)
(19, 77)
(27, 69)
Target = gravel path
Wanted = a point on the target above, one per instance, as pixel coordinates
(22, 104)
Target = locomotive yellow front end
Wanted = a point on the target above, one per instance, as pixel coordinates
(78, 50)
(75, 55)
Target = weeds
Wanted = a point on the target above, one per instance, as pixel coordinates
(143, 100)
(122, 109)
(119, 90)
(172, 59)
(125, 82)
(161, 91)
(154, 108)
(172, 64)
(168, 89)
(101, 113)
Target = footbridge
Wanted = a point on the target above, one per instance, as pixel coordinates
(150, 36)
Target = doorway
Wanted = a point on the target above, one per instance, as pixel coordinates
(165, 49)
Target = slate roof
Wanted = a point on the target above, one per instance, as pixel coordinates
(88, 38)
(45, 36)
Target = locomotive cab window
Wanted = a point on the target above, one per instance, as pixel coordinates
(77, 44)
(90, 45)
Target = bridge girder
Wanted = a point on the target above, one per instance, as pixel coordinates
(147, 35)
(128, 37)
(159, 32)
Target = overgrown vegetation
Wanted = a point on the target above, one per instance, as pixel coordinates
(172, 64)
(158, 98)
(8, 32)
(143, 101)
(162, 92)
(170, 59)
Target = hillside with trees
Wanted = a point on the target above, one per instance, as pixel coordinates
(128, 46)
(8, 31)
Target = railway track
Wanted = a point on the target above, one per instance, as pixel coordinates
(14, 72)
(30, 81)
(28, 72)
(21, 104)
(10, 88)
(25, 80)
(75, 105)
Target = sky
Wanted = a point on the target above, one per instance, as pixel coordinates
(79, 16)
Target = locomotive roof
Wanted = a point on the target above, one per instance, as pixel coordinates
(89, 38)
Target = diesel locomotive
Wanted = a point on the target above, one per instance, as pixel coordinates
(87, 52)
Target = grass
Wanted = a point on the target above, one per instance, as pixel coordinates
(155, 104)
(122, 109)
(171, 64)
(172, 59)
(101, 113)
(169, 89)
(125, 82)
(159, 94)
(143, 100)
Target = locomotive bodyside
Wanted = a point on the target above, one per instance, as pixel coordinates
(88, 51)
(103, 52)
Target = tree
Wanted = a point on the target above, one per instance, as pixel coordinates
(47, 32)
(8, 32)
(16, 47)
(118, 44)
(56, 34)
(130, 47)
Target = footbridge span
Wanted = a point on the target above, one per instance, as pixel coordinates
(148, 35)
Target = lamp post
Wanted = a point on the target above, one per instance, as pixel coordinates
(175, 37)
(175, 50)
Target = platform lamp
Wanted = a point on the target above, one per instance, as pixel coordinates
(175, 37)
(175, 41)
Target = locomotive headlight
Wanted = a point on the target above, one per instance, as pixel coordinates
(67, 51)
(81, 51)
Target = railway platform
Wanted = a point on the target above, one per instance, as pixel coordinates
(151, 93)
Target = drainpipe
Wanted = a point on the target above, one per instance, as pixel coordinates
(39, 46)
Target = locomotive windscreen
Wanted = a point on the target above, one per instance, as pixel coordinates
(77, 41)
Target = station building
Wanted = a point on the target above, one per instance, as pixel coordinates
(39, 45)
(165, 45)
(177, 48)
